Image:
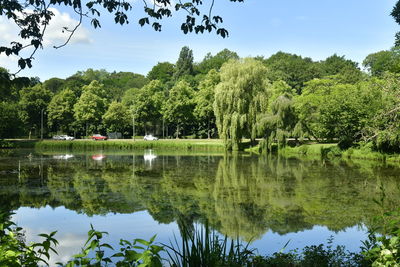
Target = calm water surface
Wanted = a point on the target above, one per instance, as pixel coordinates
(266, 200)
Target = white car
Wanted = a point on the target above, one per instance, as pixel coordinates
(149, 137)
(66, 137)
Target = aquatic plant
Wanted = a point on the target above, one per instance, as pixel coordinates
(204, 247)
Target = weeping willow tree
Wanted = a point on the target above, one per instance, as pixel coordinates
(240, 98)
(279, 120)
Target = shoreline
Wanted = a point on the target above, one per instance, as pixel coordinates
(323, 151)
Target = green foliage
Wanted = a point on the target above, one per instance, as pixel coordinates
(211, 62)
(33, 101)
(204, 247)
(315, 255)
(184, 65)
(343, 68)
(61, 111)
(54, 85)
(383, 128)
(163, 72)
(145, 104)
(204, 99)
(10, 124)
(5, 84)
(293, 69)
(117, 118)
(329, 109)
(139, 252)
(396, 16)
(382, 248)
(14, 252)
(383, 61)
(279, 120)
(90, 107)
(178, 109)
(117, 83)
(240, 98)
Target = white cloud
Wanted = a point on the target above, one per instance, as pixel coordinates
(54, 34)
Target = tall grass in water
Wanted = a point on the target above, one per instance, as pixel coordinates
(204, 247)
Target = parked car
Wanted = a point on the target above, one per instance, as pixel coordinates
(99, 137)
(63, 137)
(149, 137)
(57, 137)
(67, 137)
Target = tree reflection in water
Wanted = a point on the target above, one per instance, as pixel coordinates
(238, 194)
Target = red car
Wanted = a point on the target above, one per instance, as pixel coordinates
(99, 137)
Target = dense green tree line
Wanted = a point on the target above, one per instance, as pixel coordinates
(283, 96)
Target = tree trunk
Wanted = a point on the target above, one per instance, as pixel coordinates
(208, 129)
(177, 131)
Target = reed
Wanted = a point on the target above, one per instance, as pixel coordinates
(204, 247)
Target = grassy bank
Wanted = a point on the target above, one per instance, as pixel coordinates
(333, 151)
(170, 144)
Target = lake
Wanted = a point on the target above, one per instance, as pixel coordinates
(265, 200)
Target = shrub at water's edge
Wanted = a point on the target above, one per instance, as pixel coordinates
(329, 151)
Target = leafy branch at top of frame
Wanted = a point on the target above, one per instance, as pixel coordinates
(33, 16)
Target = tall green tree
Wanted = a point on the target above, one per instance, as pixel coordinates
(90, 108)
(61, 111)
(396, 16)
(204, 99)
(179, 107)
(118, 82)
(184, 65)
(145, 104)
(278, 121)
(163, 71)
(5, 84)
(383, 129)
(10, 123)
(293, 69)
(54, 85)
(215, 62)
(240, 98)
(33, 104)
(333, 110)
(345, 69)
(117, 118)
(383, 61)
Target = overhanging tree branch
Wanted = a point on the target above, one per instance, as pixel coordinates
(32, 18)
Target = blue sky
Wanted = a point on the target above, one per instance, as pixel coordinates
(312, 28)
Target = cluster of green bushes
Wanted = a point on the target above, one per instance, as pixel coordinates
(330, 151)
